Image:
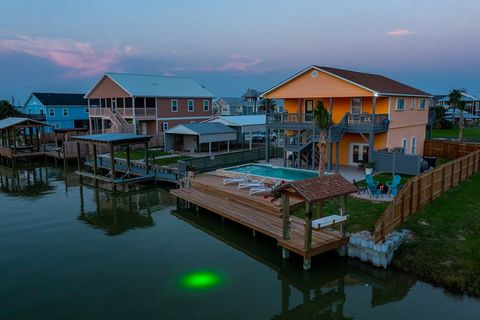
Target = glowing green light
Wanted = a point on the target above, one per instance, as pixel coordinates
(201, 280)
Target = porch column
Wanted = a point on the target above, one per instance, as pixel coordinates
(331, 106)
(44, 147)
(337, 157)
(284, 148)
(313, 148)
(371, 139)
(299, 160)
(78, 156)
(37, 138)
(299, 111)
(90, 122)
(134, 116)
(95, 168)
(267, 146)
(210, 148)
(228, 145)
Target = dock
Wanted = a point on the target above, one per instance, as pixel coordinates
(259, 214)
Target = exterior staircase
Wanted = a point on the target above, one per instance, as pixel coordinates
(119, 124)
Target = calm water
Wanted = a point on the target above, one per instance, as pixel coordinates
(72, 252)
(275, 172)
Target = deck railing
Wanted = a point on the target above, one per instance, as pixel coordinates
(423, 189)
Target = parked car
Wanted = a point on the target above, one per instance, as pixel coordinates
(261, 135)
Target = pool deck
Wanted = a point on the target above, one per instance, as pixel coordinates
(257, 213)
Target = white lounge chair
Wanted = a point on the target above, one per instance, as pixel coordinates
(235, 180)
(328, 221)
(257, 190)
(252, 184)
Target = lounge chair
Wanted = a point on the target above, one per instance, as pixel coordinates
(260, 190)
(359, 187)
(252, 184)
(394, 185)
(370, 180)
(235, 180)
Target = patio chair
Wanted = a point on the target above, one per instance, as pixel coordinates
(374, 191)
(260, 190)
(235, 180)
(359, 187)
(394, 185)
(371, 181)
(252, 184)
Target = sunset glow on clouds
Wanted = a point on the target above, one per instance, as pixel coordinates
(400, 32)
(82, 58)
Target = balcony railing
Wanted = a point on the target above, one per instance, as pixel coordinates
(124, 112)
(364, 119)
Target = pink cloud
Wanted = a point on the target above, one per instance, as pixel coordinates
(239, 63)
(400, 32)
(81, 58)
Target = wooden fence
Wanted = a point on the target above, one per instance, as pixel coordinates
(423, 189)
(448, 149)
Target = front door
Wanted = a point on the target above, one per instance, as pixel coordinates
(308, 112)
(143, 128)
(358, 153)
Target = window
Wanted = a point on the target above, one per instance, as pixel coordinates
(404, 145)
(29, 110)
(356, 106)
(165, 126)
(57, 125)
(423, 102)
(413, 103)
(206, 105)
(51, 112)
(42, 111)
(414, 145)
(400, 104)
(65, 112)
(174, 105)
(86, 110)
(191, 106)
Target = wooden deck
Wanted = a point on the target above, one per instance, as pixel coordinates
(257, 213)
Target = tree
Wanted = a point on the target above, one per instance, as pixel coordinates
(454, 98)
(7, 110)
(269, 104)
(322, 120)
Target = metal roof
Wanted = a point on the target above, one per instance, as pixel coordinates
(113, 138)
(247, 120)
(159, 86)
(465, 97)
(61, 99)
(200, 128)
(13, 121)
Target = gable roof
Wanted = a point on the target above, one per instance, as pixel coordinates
(201, 128)
(247, 120)
(140, 85)
(14, 121)
(320, 188)
(375, 83)
(60, 99)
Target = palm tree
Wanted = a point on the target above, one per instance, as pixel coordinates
(7, 110)
(322, 120)
(268, 105)
(454, 98)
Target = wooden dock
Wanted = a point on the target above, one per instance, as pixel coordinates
(257, 213)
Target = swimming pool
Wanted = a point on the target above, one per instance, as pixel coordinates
(274, 172)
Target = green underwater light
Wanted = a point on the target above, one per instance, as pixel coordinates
(199, 280)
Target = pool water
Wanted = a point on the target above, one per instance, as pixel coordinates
(274, 172)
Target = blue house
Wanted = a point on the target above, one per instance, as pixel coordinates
(60, 110)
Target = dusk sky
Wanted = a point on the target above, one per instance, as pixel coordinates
(228, 46)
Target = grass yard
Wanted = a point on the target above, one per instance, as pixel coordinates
(469, 134)
(445, 247)
(139, 154)
(169, 160)
(363, 213)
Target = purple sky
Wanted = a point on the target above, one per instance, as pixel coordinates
(228, 46)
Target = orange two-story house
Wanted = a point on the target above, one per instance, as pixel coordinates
(146, 104)
(369, 111)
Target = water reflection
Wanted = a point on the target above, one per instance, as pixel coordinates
(322, 290)
(26, 182)
(116, 212)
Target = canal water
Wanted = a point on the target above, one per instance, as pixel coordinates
(70, 251)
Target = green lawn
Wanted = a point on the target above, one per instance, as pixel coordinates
(169, 160)
(139, 154)
(469, 134)
(445, 247)
(362, 213)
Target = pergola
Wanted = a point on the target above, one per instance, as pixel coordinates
(110, 141)
(315, 191)
(12, 128)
